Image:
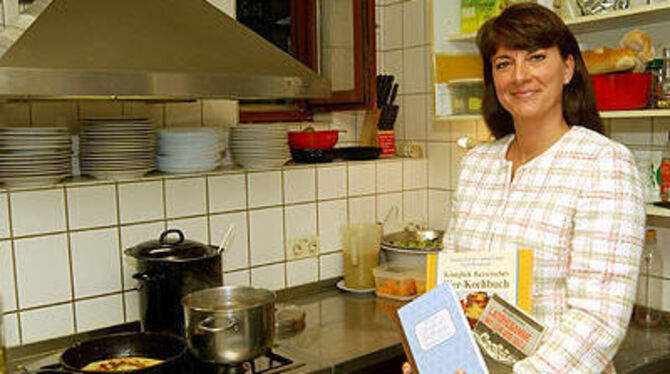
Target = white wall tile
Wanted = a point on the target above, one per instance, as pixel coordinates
(236, 255)
(299, 185)
(227, 192)
(455, 169)
(362, 179)
(415, 206)
(460, 129)
(193, 228)
(265, 189)
(330, 266)
(663, 244)
(132, 236)
(415, 68)
(96, 265)
(632, 131)
(49, 113)
(665, 303)
(220, 112)
(38, 212)
(237, 278)
(416, 116)
(439, 165)
(100, 312)
(332, 182)
(438, 130)
(141, 201)
(7, 299)
(332, 215)
(415, 173)
(185, 197)
(266, 235)
(300, 221)
(393, 64)
(152, 111)
(47, 323)
(10, 329)
(132, 305)
(414, 23)
(4, 216)
(439, 208)
(389, 176)
(661, 126)
(387, 204)
(95, 108)
(302, 271)
(183, 114)
(344, 121)
(17, 114)
(91, 206)
(43, 270)
(362, 210)
(392, 36)
(270, 277)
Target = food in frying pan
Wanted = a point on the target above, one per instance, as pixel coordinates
(121, 364)
(418, 244)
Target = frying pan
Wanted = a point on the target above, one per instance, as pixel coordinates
(166, 347)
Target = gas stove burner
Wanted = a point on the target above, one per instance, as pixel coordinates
(268, 363)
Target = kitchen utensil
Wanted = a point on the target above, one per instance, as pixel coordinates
(621, 91)
(360, 253)
(168, 270)
(394, 92)
(311, 156)
(166, 347)
(225, 239)
(358, 153)
(312, 139)
(229, 325)
(368, 136)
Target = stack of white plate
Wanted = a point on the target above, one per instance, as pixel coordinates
(259, 145)
(189, 150)
(117, 148)
(34, 156)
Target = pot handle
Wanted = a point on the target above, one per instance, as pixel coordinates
(233, 324)
(163, 238)
(148, 277)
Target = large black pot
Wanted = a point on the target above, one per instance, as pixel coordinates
(169, 270)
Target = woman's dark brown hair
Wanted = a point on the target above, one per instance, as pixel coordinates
(529, 27)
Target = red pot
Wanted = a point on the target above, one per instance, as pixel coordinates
(621, 91)
(312, 139)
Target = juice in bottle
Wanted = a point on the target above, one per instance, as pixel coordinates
(665, 172)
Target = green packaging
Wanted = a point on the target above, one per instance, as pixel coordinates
(487, 9)
(468, 17)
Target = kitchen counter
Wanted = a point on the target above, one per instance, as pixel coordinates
(346, 332)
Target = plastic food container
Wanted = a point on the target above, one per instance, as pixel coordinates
(466, 95)
(397, 282)
(621, 91)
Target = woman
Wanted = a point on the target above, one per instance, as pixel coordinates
(552, 183)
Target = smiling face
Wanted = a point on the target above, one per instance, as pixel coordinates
(529, 84)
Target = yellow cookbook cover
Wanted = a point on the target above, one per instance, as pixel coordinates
(476, 276)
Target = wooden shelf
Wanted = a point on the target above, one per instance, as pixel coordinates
(645, 113)
(641, 15)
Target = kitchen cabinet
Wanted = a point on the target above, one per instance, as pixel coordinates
(336, 38)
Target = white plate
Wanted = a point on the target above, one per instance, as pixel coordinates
(341, 286)
(33, 130)
(119, 174)
(186, 170)
(33, 147)
(33, 181)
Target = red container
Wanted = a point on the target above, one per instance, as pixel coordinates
(621, 91)
(312, 139)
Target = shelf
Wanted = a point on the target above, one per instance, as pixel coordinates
(657, 211)
(646, 113)
(641, 15)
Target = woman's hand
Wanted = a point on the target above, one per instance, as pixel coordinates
(407, 369)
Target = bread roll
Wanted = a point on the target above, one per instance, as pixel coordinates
(607, 60)
(638, 42)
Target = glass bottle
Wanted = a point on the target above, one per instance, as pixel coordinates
(664, 99)
(655, 67)
(647, 310)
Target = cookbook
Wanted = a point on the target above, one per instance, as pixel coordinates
(476, 276)
(436, 335)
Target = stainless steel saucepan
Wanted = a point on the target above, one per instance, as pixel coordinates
(229, 325)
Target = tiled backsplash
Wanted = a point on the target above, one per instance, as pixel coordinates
(62, 269)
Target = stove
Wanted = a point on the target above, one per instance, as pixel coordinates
(269, 363)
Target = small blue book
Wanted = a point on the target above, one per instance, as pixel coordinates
(438, 335)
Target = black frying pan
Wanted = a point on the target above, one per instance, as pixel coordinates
(166, 347)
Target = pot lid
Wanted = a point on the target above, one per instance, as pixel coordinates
(168, 249)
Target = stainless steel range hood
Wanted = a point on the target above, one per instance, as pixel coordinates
(148, 49)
